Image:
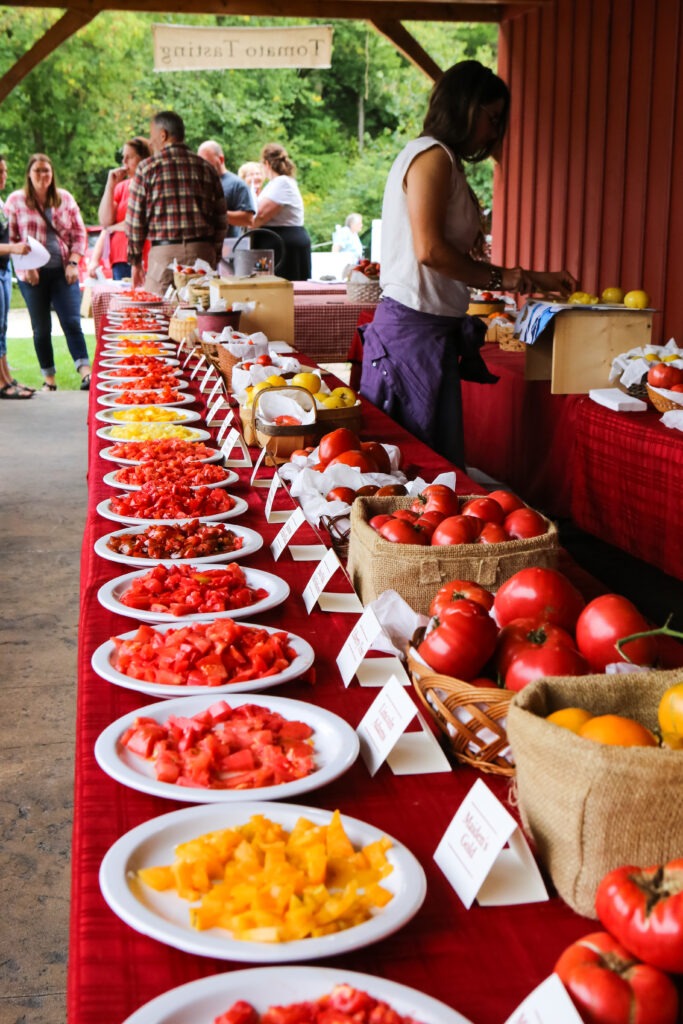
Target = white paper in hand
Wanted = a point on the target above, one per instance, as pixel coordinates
(37, 257)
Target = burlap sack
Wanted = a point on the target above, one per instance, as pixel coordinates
(417, 572)
(590, 807)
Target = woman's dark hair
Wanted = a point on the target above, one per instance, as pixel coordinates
(276, 155)
(53, 196)
(140, 145)
(455, 103)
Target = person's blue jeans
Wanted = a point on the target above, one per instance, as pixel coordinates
(120, 270)
(52, 292)
(5, 300)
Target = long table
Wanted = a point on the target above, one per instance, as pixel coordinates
(481, 962)
(618, 475)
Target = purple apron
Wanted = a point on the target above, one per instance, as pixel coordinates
(413, 363)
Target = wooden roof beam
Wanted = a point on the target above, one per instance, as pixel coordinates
(408, 45)
(66, 26)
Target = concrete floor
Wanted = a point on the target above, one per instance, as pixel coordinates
(43, 498)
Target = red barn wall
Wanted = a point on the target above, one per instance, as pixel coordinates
(592, 172)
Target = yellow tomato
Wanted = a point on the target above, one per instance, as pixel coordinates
(670, 711)
(310, 381)
(637, 299)
(330, 401)
(613, 295)
(347, 396)
(276, 381)
(570, 718)
(579, 298)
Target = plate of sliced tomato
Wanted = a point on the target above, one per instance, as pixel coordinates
(135, 453)
(166, 660)
(212, 750)
(178, 504)
(196, 474)
(112, 362)
(165, 916)
(207, 999)
(193, 592)
(128, 380)
(174, 543)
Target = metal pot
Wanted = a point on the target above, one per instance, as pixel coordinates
(245, 261)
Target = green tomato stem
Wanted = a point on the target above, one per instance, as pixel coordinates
(661, 631)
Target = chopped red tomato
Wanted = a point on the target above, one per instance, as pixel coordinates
(173, 501)
(177, 540)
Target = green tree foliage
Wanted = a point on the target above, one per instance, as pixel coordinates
(342, 126)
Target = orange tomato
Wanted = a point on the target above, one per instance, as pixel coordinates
(670, 715)
(617, 731)
(570, 718)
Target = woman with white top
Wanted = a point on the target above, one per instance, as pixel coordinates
(421, 342)
(281, 209)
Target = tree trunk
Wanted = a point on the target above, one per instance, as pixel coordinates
(361, 121)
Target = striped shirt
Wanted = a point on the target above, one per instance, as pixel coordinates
(66, 220)
(175, 194)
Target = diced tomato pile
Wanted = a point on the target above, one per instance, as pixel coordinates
(203, 654)
(137, 295)
(137, 363)
(185, 590)
(167, 448)
(194, 474)
(131, 322)
(160, 397)
(153, 380)
(177, 540)
(224, 748)
(344, 1005)
(177, 501)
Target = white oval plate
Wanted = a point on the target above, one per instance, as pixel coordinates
(277, 588)
(133, 346)
(180, 416)
(114, 362)
(102, 664)
(117, 334)
(253, 542)
(164, 916)
(335, 747)
(197, 435)
(203, 1000)
(110, 399)
(106, 453)
(238, 509)
(110, 481)
(107, 382)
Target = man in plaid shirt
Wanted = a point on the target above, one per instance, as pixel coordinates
(176, 200)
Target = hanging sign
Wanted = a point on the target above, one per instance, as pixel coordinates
(192, 48)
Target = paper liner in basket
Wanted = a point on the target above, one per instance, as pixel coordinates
(591, 807)
(630, 368)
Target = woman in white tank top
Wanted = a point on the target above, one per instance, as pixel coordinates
(421, 342)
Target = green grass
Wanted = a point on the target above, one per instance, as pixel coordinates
(23, 361)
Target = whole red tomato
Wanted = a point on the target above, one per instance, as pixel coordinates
(662, 375)
(545, 660)
(541, 594)
(336, 442)
(345, 494)
(457, 530)
(493, 533)
(437, 498)
(526, 634)
(525, 522)
(287, 421)
(391, 490)
(456, 590)
(378, 454)
(264, 360)
(428, 522)
(487, 509)
(400, 531)
(407, 514)
(379, 520)
(359, 460)
(507, 500)
(462, 642)
(643, 909)
(608, 986)
(605, 620)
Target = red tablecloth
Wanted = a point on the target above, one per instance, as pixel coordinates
(482, 961)
(517, 432)
(628, 483)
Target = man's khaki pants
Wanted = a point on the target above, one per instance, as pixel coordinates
(159, 275)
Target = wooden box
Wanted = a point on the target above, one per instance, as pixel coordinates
(273, 299)
(576, 349)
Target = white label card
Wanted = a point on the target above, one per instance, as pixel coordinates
(257, 465)
(198, 365)
(418, 753)
(187, 358)
(549, 1003)
(322, 575)
(473, 859)
(181, 346)
(384, 723)
(229, 418)
(213, 409)
(307, 552)
(232, 441)
(214, 391)
(284, 536)
(206, 378)
(358, 643)
(272, 491)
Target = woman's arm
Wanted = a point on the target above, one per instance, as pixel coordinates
(106, 213)
(14, 248)
(427, 184)
(266, 211)
(96, 255)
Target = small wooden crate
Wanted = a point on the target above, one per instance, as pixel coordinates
(281, 441)
(576, 350)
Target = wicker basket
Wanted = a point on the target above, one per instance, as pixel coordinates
(247, 421)
(281, 441)
(180, 280)
(330, 419)
(226, 362)
(661, 403)
(182, 330)
(363, 291)
(339, 529)
(472, 719)
(507, 340)
(210, 350)
(200, 295)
